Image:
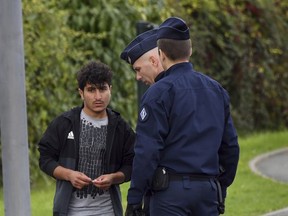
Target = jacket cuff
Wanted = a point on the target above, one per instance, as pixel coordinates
(127, 172)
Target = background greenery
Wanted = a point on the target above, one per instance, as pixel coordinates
(249, 195)
(241, 43)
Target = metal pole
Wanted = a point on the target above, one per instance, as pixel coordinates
(14, 139)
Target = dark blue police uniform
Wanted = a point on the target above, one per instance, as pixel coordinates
(184, 126)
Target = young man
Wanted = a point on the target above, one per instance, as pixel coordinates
(185, 136)
(142, 54)
(88, 150)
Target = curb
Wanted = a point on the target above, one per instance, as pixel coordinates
(281, 212)
(253, 166)
(253, 163)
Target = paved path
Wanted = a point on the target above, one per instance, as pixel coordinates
(268, 165)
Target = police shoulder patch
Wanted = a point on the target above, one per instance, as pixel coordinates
(144, 114)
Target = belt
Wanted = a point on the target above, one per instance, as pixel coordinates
(180, 177)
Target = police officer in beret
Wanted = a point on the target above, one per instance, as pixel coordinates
(187, 147)
(142, 54)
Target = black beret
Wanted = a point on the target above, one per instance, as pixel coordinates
(140, 45)
(173, 28)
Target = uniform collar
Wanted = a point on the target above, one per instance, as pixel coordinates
(183, 67)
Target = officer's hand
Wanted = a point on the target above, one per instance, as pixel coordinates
(221, 207)
(134, 210)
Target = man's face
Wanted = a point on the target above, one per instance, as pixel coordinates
(144, 69)
(96, 99)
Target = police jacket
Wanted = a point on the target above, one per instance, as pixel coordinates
(59, 146)
(185, 125)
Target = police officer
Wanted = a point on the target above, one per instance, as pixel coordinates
(142, 54)
(185, 135)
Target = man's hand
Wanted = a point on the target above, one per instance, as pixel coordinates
(77, 179)
(134, 210)
(104, 181)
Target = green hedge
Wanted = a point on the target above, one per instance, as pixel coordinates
(242, 44)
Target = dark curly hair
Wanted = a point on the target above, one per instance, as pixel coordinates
(95, 72)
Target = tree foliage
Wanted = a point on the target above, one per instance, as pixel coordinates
(110, 25)
(61, 36)
(242, 44)
(50, 64)
(113, 24)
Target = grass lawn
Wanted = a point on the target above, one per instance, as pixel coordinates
(250, 194)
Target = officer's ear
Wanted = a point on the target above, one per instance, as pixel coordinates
(154, 61)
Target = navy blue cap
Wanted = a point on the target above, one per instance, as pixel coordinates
(140, 45)
(173, 28)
